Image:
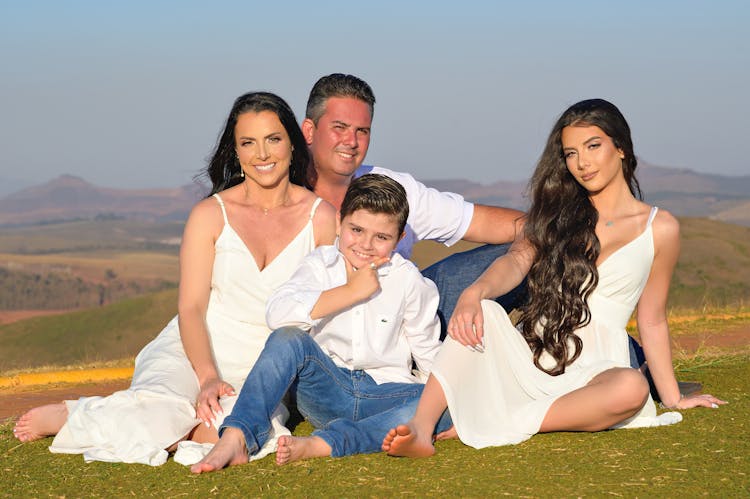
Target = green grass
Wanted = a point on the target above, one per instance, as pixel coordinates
(101, 334)
(705, 455)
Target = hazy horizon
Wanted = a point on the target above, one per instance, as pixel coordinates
(134, 95)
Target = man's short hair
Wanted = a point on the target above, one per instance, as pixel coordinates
(337, 85)
(377, 194)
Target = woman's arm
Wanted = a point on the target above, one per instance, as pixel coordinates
(196, 265)
(652, 316)
(467, 323)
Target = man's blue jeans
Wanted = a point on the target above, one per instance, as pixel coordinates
(455, 273)
(351, 412)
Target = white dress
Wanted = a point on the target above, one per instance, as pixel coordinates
(500, 397)
(137, 425)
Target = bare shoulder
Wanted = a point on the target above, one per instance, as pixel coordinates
(666, 225)
(324, 218)
(666, 231)
(206, 215)
(206, 207)
(325, 212)
(324, 223)
(306, 197)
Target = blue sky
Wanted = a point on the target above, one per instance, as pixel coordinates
(133, 94)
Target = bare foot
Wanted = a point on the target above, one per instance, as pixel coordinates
(292, 449)
(41, 422)
(230, 450)
(448, 434)
(405, 440)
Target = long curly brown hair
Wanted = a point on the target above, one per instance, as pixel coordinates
(560, 226)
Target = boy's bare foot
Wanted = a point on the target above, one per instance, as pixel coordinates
(292, 449)
(448, 434)
(405, 440)
(230, 450)
(41, 422)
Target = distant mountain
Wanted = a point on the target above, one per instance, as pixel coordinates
(681, 191)
(68, 198)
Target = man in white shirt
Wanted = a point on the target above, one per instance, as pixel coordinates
(370, 315)
(337, 129)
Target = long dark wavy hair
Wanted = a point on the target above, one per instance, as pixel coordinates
(224, 168)
(560, 226)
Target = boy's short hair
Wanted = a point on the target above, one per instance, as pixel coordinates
(377, 194)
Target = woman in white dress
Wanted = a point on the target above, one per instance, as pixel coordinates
(591, 251)
(239, 244)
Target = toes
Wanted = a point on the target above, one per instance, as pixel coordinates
(403, 430)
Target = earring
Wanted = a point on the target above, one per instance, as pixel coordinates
(242, 172)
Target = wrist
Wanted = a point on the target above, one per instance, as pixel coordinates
(475, 292)
(355, 293)
(674, 405)
(207, 378)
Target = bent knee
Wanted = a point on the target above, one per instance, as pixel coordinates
(287, 334)
(632, 390)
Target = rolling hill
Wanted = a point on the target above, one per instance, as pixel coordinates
(681, 191)
(70, 198)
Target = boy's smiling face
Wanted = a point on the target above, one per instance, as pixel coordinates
(365, 237)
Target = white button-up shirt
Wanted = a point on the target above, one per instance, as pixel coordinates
(438, 216)
(381, 335)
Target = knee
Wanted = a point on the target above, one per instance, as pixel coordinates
(632, 390)
(287, 336)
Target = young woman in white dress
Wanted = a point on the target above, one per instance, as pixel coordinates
(591, 251)
(239, 244)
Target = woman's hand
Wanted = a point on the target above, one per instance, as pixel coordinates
(702, 400)
(466, 325)
(207, 405)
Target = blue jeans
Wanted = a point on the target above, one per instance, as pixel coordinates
(351, 412)
(455, 273)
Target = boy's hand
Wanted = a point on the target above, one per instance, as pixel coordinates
(363, 282)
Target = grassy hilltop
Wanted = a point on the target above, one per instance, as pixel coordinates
(707, 454)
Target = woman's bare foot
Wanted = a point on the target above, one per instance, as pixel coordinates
(448, 434)
(405, 440)
(292, 449)
(41, 422)
(230, 450)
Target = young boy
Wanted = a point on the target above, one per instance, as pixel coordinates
(349, 324)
